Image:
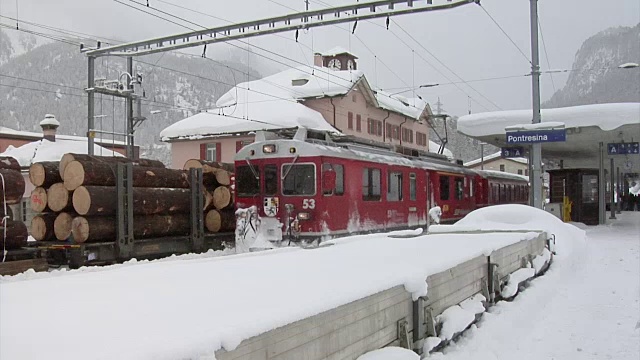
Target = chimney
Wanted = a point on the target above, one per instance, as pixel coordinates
(49, 127)
(317, 60)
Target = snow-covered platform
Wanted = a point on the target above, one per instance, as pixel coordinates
(330, 302)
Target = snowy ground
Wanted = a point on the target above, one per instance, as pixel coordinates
(585, 307)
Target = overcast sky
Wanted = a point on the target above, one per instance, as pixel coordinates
(465, 39)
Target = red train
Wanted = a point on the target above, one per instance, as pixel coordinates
(308, 188)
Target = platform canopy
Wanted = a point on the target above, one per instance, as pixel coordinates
(586, 126)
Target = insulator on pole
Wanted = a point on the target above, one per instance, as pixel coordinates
(354, 27)
(296, 35)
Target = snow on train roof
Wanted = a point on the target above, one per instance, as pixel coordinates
(304, 148)
(605, 116)
(502, 175)
(493, 156)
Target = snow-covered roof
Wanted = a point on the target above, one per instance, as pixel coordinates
(45, 150)
(337, 50)
(605, 116)
(411, 107)
(230, 120)
(494, 156)
(320, 82)
(273, 102)
(36, 135)
(49, 120)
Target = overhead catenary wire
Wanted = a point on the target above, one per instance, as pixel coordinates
(546, 54)
(505, 33)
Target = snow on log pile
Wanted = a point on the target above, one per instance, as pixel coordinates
(13, 233)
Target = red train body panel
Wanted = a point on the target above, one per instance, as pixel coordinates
(312, 189)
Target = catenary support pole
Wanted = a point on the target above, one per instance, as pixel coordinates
(612, 187)
(90, 109)
(130, 145)
(619, 191)
(535, 175)
(601, 187)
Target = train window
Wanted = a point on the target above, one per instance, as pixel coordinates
(270, 180)
(247, 182)
(394, 186)
(299, 179)
(444, 187)
(339, 170)
(412, 186)
(371, 184)
(459, 187)
(470, 187)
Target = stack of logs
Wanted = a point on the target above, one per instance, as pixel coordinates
(216, 178)
(13, 233)
(78, 199)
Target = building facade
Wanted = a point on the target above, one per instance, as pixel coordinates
(334, 91)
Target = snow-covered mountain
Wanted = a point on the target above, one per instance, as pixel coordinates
(49, 77)
(596, 77)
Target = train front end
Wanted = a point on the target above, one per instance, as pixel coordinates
(282, 179)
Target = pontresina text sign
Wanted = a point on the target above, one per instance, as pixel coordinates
(536, 136)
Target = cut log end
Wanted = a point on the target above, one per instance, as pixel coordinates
(73, 175)
(58, 197)
(62, 226)
(81, 200)
(39, 199)
(42, 227)
(36, 174)
(80, 229)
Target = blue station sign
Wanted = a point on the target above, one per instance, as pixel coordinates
(512, 152)
(536, 136)
(623, 148)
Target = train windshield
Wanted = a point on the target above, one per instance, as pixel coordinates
(299, 179)
(247, 180)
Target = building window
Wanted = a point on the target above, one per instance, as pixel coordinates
(394, 186)
(421, 138)
(502, 167)
(519, 171)
(444, 188)
(212, 152)
(407, 135)
(412, 186)
(358, 123)
(354, 98)
(371, 184)
(350, 120)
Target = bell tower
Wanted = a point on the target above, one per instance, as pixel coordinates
(337, 59)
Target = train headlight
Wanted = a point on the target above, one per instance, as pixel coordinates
(292, 150)
(304, 216)
(269, 149)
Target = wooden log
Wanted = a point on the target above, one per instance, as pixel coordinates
(213, 173)
(103, 228)
(222, 198)
(45, 173)
(101, 200)
(39, 200)
(59, 198)
(62, 225)
(220, 220)
(69, 157)
(197, 164)
(42, 227)
(12, 189)
(9, 163)
(19, 266)
(16, 235)
(78, 173)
